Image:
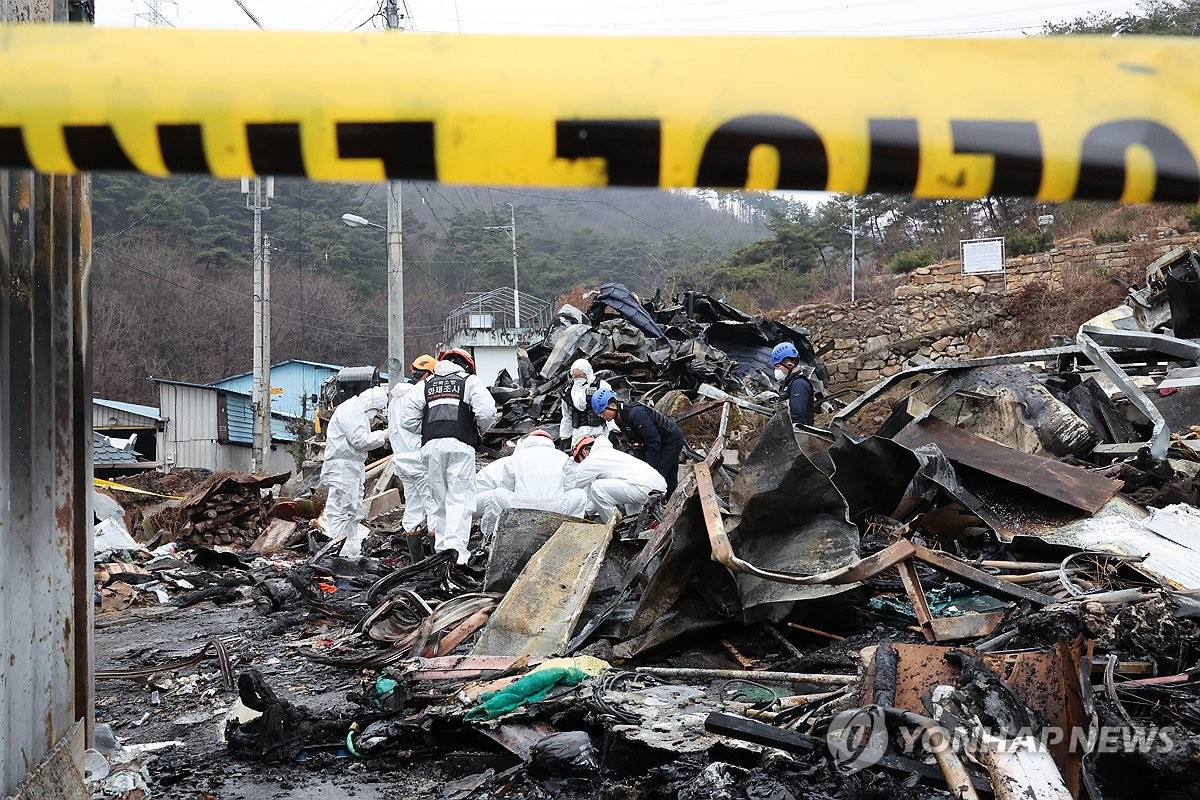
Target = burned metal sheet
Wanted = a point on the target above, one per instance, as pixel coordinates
(792, 519)
(872, 474)
(521, 532)
(1073, 486)
(1008, 403)
(669, 607)
(569, 342)
(625, 303)
(539, 613)
(1095, 407)
(1170, 536)
(1047, 682)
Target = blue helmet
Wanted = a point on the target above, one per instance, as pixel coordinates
(782, 351)
(601, 399)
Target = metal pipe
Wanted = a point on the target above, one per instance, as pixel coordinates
(1018, 566)
(725, 674)
(958, 780)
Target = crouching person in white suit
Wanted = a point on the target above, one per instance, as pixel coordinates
(613, 480)
(534, 476)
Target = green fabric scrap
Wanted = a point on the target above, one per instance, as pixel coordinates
(529, 689)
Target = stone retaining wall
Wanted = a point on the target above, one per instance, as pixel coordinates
(940, 315)
(1074, 254)
(870, 339)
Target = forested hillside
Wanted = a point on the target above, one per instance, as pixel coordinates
(172, 275)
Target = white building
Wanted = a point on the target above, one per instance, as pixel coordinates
(487, 327)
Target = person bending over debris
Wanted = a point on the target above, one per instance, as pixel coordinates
(535, 477)
(348, 439)
(488, 481)
(794, 385)
(406, 455)
(450, 412)
(613, 479)
(656, 440)
(578, 417)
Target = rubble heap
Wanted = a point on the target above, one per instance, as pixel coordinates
(979, 581)
(646, 350)
(227, 509)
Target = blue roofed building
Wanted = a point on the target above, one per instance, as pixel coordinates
(298, 383)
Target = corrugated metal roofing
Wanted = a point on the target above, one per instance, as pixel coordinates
(298, 379)
(129, 408)
(277, 365)
(240, 413)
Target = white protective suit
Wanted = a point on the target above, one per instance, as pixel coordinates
(534, 477)
(578, 389)
(406, 461)
(450, 464)
(488, 481)
(615, 480)
(348, 439)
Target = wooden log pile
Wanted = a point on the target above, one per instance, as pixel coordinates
(227, 510)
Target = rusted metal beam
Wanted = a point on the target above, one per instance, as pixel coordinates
(979, 579)
(45, 460)
(916, 596)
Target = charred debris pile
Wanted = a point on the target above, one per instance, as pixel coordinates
(979, 579)
(693, 348)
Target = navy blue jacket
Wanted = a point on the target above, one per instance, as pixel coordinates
(646, 426)
(799, 393)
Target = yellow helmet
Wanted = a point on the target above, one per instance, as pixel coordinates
(423, 363)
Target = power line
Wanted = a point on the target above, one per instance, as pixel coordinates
(616, 208)
(143, 217)
(431, 211)
(126, 264)
(337, 236)
(349, 11)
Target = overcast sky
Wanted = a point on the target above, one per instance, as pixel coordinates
(630, 17)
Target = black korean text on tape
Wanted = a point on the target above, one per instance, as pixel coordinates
(1054, 118)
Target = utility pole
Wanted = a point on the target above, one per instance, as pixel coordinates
(395, 256)
(511, 230)
(853, 242)
(258, 200)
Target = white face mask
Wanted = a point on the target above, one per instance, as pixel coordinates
(580, 381)
(780, 374)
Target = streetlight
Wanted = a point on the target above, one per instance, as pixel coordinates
(355, 221)
(395, 282)
(511, 230)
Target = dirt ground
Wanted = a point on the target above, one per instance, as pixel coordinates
(192, 708)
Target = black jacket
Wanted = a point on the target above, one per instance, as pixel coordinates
(645, 426)
(799, 393)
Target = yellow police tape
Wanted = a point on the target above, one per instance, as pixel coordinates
(120, 487)
(1054, 118)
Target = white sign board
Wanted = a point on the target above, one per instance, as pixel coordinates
(982, 256)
